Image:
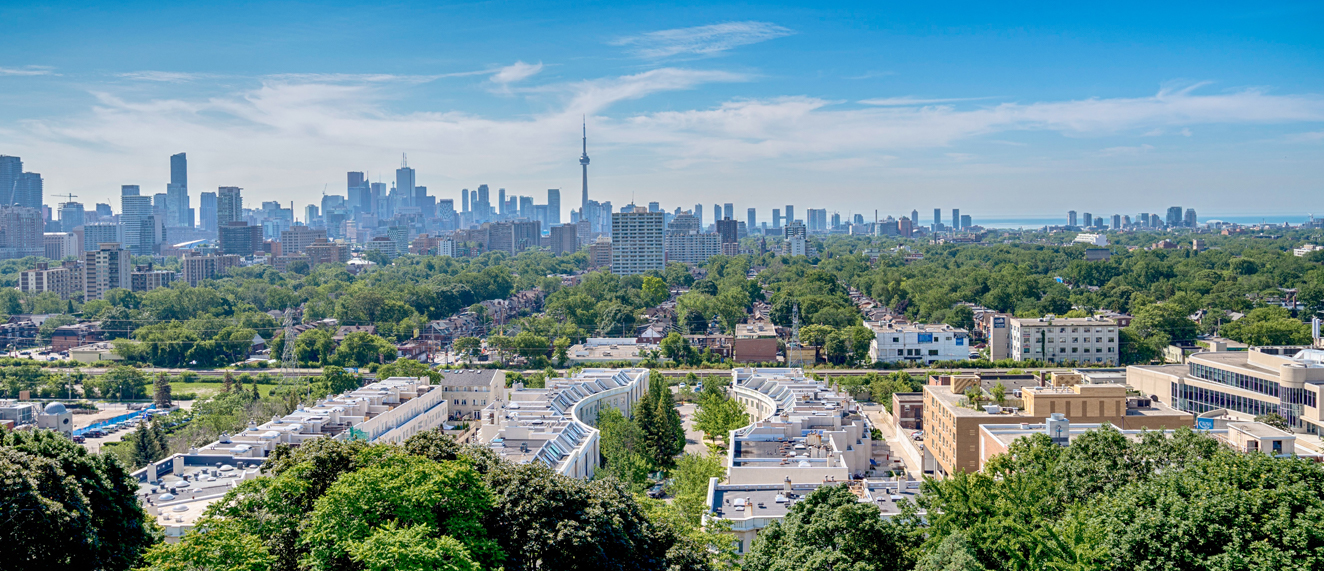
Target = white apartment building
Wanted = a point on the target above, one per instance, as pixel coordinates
(1059, 339)
(1091, 239)
(104, 269)
(60, 280)
(918, 342)
(692, 248)
(636, 242)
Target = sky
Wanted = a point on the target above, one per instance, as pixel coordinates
(1025, 110)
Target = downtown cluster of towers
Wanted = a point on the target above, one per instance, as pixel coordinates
(1175, 218)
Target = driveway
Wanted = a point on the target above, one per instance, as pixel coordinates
(693, 438)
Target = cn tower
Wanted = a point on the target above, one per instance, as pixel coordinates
(583, 162)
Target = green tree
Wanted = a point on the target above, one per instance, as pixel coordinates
(360, 348)
(655, 291)
(415, 548)
(409, 368)
(689, 484)
(338, 380)
(124, 383)
(831, 529)
(623, 448)
(467, 346)
(161, 391)
(224, 546)
(65, 508)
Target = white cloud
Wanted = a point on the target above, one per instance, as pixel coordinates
(28, 70)
(518, 71)
(1125, 151)
(912, 102)
(162, 76)
(701, 40)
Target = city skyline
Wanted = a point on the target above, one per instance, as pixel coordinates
(740, 104)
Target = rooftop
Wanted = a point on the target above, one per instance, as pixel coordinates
(470, 377)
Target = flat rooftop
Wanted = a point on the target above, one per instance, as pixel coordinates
(738, 502)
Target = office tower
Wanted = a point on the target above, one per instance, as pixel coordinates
(1143, 220)
(776, 218)
(1117, 222)
(684, 223)
(526, 207)
(102, 233)
(103, 210)
(583, 162)
(21, 232)
(698, 214)
(106, 267)
(914, 216)
(728, 211)
(655, 206)
(859, 219)
(956, 219)
(464, 200)
(129, 190)
(71, 216)
(359, 192)
(965, 221)
(1089, 219)
(1155, 221)
(446, 214)
(239, 238)
(207, 216)
(28, 191)
(1174, 216)
(1190, 220)
(1071, 218)
(728, 230)
(512, 205)
(565, 239)
(811, 219)
(10, 168)
(636, 242)
(750, 219)
(137, 219)
(905, 227)
(553, 207)
(789, 214)
(229, 205)
(501, 202)
(177, 203)
(1126, 220)
(427, 205)
(937, 218)
(159, 204)
(297, 238)
(309, 214)
(717, 213)
(404, 182)
(836, 220)
(376, 198)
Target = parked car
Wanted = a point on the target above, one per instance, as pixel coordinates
(656, 491)
(79, 439)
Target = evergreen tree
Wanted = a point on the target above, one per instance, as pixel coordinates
(229, 382)
(161, 391)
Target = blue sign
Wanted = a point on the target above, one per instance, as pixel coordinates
(925, 337)
(1204, 424)
(960, 341)
(999, 323)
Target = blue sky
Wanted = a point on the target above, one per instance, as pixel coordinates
(852, 107)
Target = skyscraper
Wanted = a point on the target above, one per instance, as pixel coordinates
(729, 211)
(404, 182)
(502, 210)
(10, 168)
(914, 216)
(138, 221)
(1174, 216)
(789, 216)
(637, 242)
(553, 207)
(229, 205)
(207, 216)
(749, 222)
(464, 200)
(483, 206)
(1071, 218)
(698, 213)
(776, 218)
(358, 192)
(956, 219)
(177, 201)
(1088, 219)
(1190, 220)
(71, 216)
(937, 217)
(583, 162)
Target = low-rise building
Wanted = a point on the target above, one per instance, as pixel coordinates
(67, 337)
(918, 343)
(471, 391)
(1092, 239)
(324, 252)
(1064, 340)
(94, 352)
(755, 342)
(908, 410)
(556, 425)
(600, 350)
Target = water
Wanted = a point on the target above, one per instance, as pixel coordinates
(1033, 222)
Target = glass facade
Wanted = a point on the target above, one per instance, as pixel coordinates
(1201, 400)
(1238, 380)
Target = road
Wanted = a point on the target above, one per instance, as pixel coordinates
(693, 438)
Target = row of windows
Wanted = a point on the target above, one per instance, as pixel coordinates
(1200, 400)
(1232, 379)
(1073, 350)
(1079, 329)
(1064, 340)
(914, 352)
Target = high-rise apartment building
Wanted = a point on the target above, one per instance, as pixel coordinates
(1117, 222)
(728, 230)
(10, 168)
(693, 248)
(553, 207)
(1089, 220)
(729, 211)
(297, 238)
(229, 205)
(207, 214)
(776, 218)
(816, 219)
(60, 280)
(965, 222)
(71, 216)
(21, 232)
(637, 244)
(464, 201)
(914, 217)
(501, 202)
(789, 215)
(198, 267)
(102, 233)
(1190, 220)
(61, 245)
(138, 221)
(564, 239)
(698, 214)
(1071, 218)
(956, 219)
(937, 218)
(105, 268)
(239, 238)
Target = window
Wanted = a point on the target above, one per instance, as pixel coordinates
(1073, 349)
(1062, 350)
(1110, 349)
(896, 339)
(1075, 340)
(933, 351)
(1087, 350)
(900, 352)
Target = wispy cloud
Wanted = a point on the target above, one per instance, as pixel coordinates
(518, 71)
(1125, 151)
(1310, 137)
(162, 76)
(701, 40)
(28, 70)
(912, 101)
